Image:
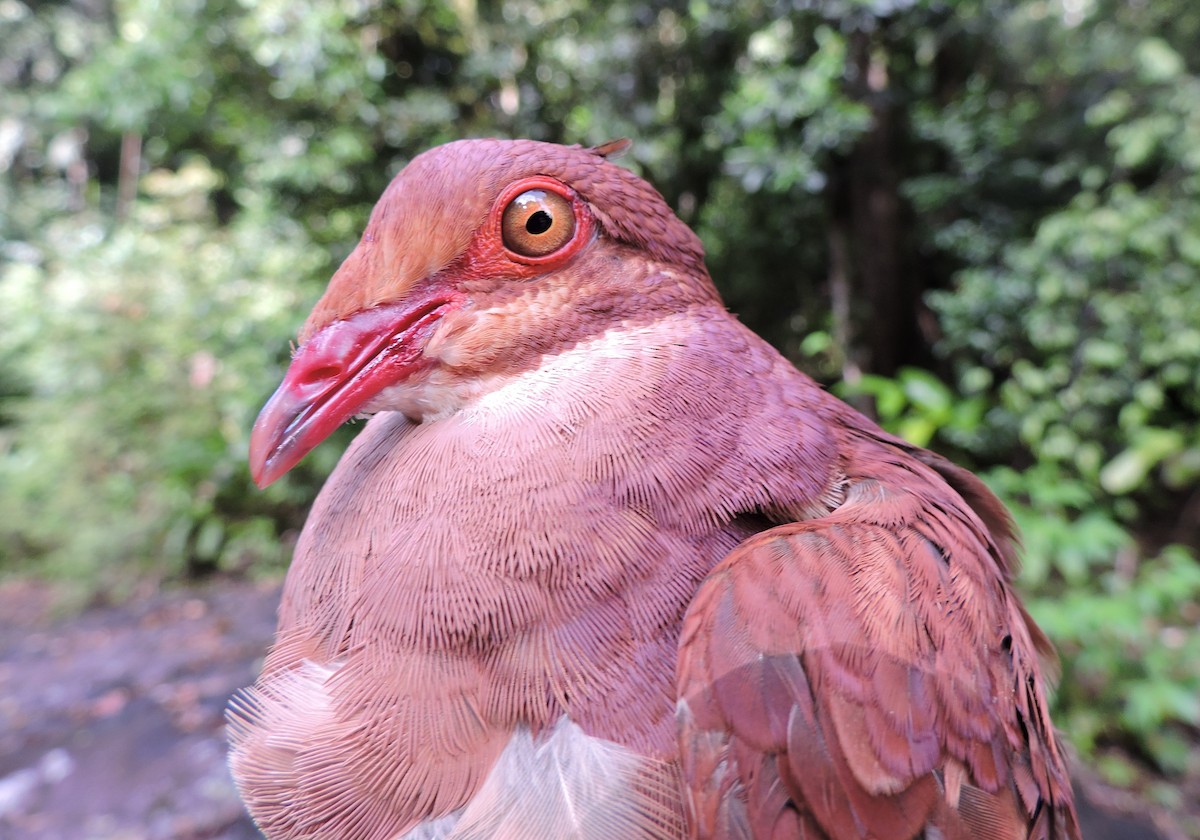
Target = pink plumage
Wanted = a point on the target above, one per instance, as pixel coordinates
(605, 565)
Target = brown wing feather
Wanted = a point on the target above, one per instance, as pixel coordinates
(869, 674)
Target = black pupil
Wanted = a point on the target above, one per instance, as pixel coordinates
(539, 222)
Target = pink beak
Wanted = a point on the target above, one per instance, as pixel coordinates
(336, 372)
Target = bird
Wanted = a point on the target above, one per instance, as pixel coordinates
(604, 564)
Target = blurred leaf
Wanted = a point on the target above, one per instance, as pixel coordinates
(1128, 470)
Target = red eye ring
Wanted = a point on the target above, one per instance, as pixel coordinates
(560, 197)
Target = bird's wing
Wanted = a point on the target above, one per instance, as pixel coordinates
(867, 674)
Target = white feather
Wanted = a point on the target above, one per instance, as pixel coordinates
(569, 785)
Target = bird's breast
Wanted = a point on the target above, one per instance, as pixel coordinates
(525, 563)
(550, 534)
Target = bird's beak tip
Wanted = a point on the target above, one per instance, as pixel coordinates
(334, 373)
(273, 443)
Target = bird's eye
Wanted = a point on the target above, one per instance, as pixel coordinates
(537, 223)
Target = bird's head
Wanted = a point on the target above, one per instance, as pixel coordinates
(481, 258)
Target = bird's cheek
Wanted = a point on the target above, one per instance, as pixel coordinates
(467, 340)
(443, 346)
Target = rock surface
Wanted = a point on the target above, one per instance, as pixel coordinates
(112, 723)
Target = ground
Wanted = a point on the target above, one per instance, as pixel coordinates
(111, 721)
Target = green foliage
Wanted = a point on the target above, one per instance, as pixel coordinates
(1095, 323)
(1124, 624)
(1084, 335)
(1129, 653)
(918, 406)
(143, 353)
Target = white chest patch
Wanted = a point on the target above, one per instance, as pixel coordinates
(566, 784)
(605, 364)
(563, 783)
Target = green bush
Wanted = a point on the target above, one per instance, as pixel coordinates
(1092, 331)
(138, 357)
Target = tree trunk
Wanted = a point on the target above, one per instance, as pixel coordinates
(883, 297)
(127, 176)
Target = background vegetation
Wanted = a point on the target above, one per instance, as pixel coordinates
(980, 218)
